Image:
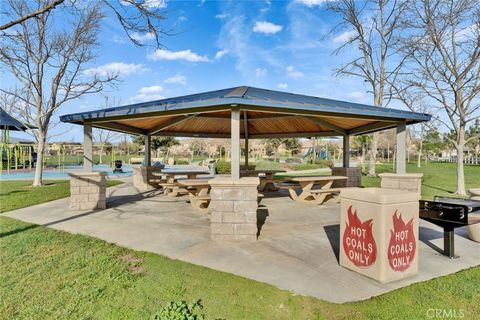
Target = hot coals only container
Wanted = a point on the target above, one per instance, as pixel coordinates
(379, 232)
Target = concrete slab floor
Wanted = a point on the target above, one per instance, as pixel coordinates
(297, 248)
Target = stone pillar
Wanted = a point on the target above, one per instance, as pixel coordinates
(409, 181)
(233, 208)
(88, 190)
(354, 177)
(87, 148)
(146, 178)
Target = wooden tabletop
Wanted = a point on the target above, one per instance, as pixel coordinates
(184, 173)
(317, 178)
(193, 182)
(263, 171)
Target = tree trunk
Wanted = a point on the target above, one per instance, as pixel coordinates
(373, 155)
(101, 153)
(460, 173)
(37, 181)
(419, 160)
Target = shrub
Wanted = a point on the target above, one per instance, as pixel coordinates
(223, 167)
(181, 162)
(181, 310)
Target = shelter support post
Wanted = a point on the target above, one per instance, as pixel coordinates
(346, 151)
(235, 144)
(148, 148)
(401, 148)
(87, 148)
(245, 129)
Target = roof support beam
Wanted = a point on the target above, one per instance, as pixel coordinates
(295, 135)
(114, 126)
(327, 124)
(372, 127)
(169, 123)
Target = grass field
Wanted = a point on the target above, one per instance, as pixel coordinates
(49, 274)
(20, 194)
(438, 178)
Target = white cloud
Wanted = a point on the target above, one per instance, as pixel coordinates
(294, 73)
(221, 16)
(260, 72)
(156, 4)
(220, 54)
(176, 79)
(282, 86)
(150, 90)
(143, 38)
(266, 27)
(147, 94)
(115, 68)
(344, 36)
(311, 3)
(187, 55)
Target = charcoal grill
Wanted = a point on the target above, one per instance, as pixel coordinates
(450, 213)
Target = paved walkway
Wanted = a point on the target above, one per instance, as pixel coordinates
(297, 249)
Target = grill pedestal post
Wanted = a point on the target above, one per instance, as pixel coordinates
(448, 243)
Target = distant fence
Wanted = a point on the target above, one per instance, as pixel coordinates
(467, 160)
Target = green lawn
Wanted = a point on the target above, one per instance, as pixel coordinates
(20, 194)
(438, 178)
(49, 274)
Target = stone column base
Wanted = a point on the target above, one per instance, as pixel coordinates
(88, 190)
(233, 207)
(408, 181)
(354, 175)
(146, 178)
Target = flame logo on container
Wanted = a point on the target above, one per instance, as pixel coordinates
(402, 245)
(358, 242)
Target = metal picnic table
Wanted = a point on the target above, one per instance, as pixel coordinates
(308, 194)
(171, 186)
(267, 183)
(198, 191)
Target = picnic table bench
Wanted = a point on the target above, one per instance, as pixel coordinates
(171, 185)
(198, 192)
(267, 177)
(306, 184)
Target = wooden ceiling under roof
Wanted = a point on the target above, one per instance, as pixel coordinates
(266, 114)
(260, 125)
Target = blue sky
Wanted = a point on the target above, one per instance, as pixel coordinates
(280, 45)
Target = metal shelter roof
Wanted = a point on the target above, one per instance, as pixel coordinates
(10, 123)
(265, 114)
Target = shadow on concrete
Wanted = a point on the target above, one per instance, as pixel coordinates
(262, 214)
(333, 235)
(426, 235)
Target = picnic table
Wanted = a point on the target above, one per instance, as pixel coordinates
(267, 178)
(306, 184)
(171, 185)
(198, 191)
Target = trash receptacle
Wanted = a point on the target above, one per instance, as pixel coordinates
(379, 232)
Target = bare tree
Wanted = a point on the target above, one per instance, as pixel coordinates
(49, 63)
(442, 51)
(135, 16)
(370, 28)
(102, 137)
